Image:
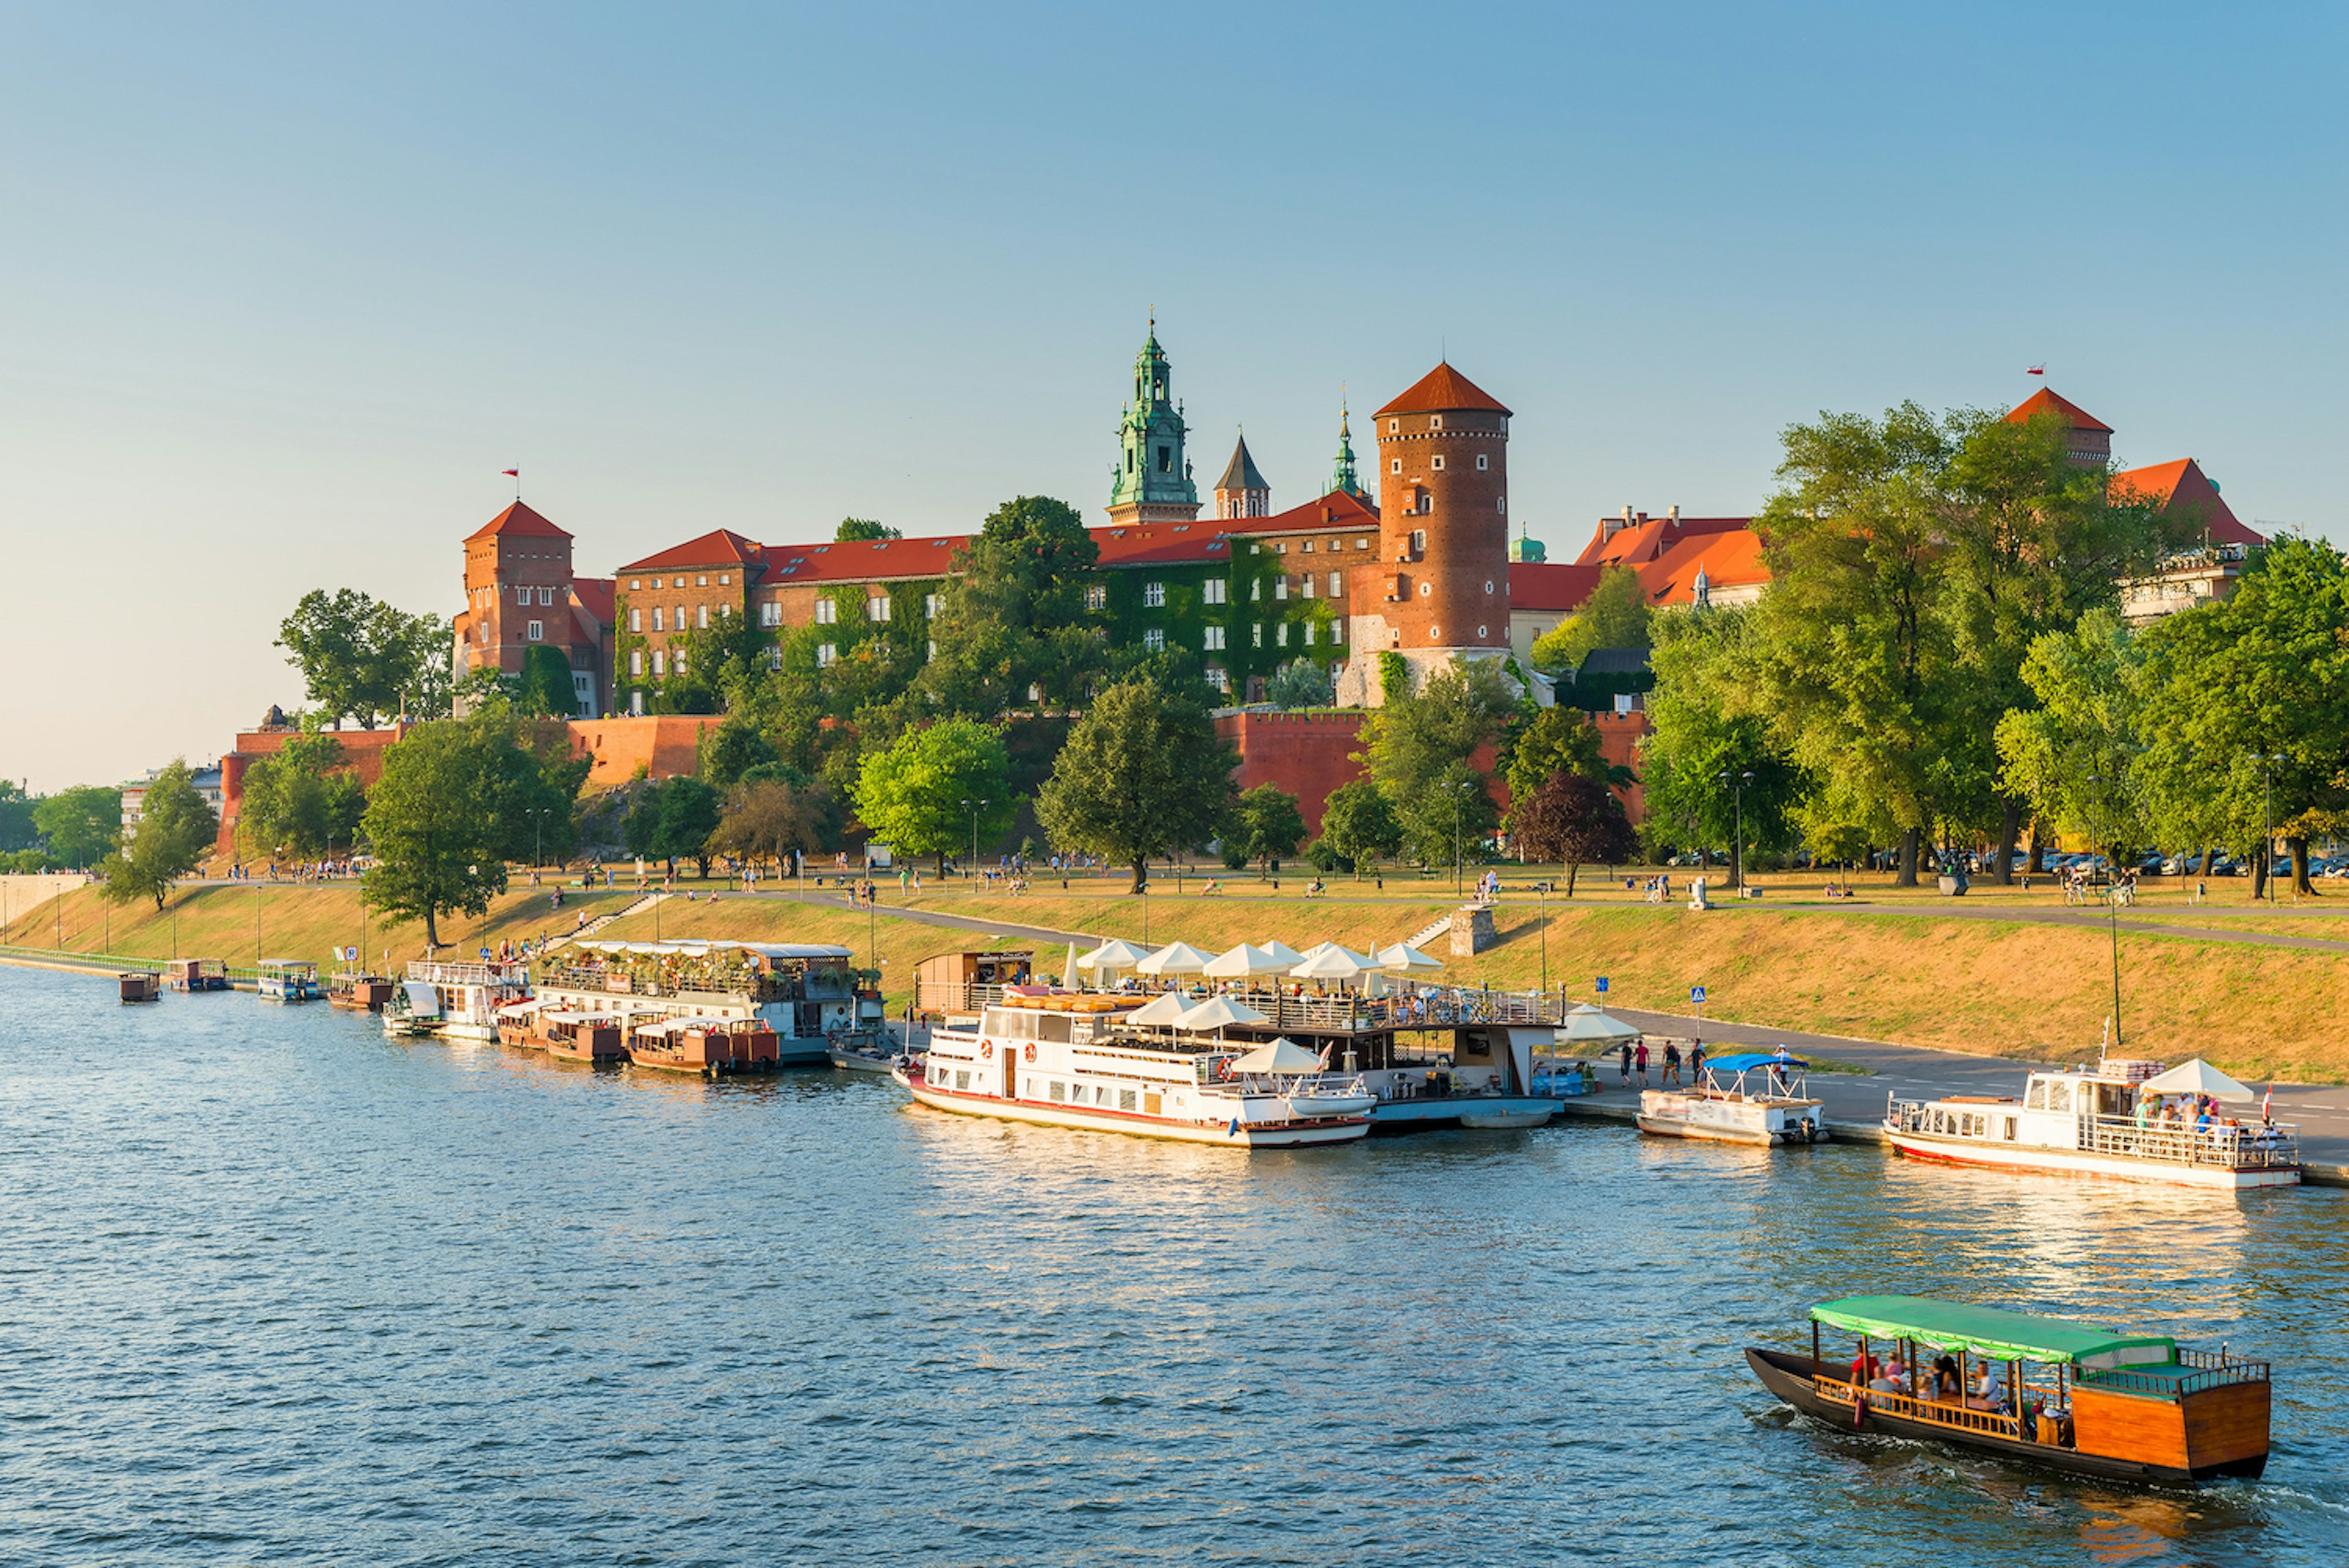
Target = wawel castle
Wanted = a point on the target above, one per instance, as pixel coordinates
(1423, 565)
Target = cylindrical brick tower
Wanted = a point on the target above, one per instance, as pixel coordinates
(1444, 521)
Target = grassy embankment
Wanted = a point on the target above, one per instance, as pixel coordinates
(1981, 985)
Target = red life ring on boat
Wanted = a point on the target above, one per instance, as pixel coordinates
(987, 1050)
(1224, 1069)
(1030, 1050)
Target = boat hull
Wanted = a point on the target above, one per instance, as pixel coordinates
(1281, 1136)
(2074, 1162)
(1789, 1378)
(1494, 1121)
(856, 1062)
(1673, 1127)
(1487, 1111)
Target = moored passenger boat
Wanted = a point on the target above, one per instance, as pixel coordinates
(196, 974)
(2124, 1118)
(458, 1001)
(590, 1039)
(358, 993)
(2044, 1390)
(707, 1047)
(139, 985)
(808, 995)
(1734, 1106)
(1081, 1061)
(287, 979)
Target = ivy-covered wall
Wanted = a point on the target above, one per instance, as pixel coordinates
(1252, 617)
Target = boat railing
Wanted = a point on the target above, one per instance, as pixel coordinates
(1428, 1008)
(1908, 1406)
(2211, 1370)
(2236, 1148)
(440, 973)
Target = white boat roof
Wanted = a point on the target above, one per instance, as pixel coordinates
(699, 947)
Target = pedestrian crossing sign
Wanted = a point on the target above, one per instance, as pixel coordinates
(1696, 993)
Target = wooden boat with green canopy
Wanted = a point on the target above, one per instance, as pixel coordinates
(2045, 1390)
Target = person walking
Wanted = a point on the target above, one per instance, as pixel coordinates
(1672, 1062)
(1640, 1056)
(1695, 1059)
(1627, 1064)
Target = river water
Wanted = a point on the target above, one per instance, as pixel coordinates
(278, 1290)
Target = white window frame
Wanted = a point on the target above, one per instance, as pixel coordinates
(702, 617)
(826, 653)
(827, 613)
(876, 607)
(1337, 585)
(1280, 634)
(1483, 462)
(1153, 596)
(660, 620)
(1437, 461)
(1217, 591)
(637, 620)
(537, 632)
(930, 603)
(635, 662)
(1153, 640)
(1213, 640)
(1395, 465)
(661, 662)
(1280, 587)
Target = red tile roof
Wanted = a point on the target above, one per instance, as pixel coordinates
(595, 597)
(2183, 484)
(719, 546)
(517, 519)
(1728, 561)
(1551, 585)
(1165, 544)
(2045, 400)
(1649, 538)
(863, 560)
(1345, 510)
(1441, 390)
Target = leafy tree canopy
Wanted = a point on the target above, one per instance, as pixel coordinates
(1141, 775)
(1300, 684)
(1575, 820)
(358, 657)
(1015, 616)
(79, 824)
(773, 817)
(16, 829)
(542, 689)
(1359, 825)
(1707, 735)
(301, 799)
(854, 529)
(919, 795)
(690, 815)
(1421, 748)
(1616, 615)
(177, 828)
(1265, 823)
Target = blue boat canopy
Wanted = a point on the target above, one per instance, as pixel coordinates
(1745, 1061)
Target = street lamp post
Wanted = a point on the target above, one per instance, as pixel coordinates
(1459, 803)
(1737, 849)
(1543, 892)
(2112, 921)
(972, 869)
(2267, 761)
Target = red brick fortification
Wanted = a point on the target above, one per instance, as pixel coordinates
(1308, 753)
(363, 753)
(1444, 521)
(664, 746)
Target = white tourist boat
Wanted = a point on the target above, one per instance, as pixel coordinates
(456, 1001)
(2113, 1120)
(1075, 1060)
(810, 995)
(1748, 1097)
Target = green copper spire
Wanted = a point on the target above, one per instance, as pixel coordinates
(1344, 477)
(1151, 482)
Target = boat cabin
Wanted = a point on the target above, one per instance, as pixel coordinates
(2104, 1113)
(2045, 1389)
(140, 985)
(804, 991)
(196, 974)
(287, 979)
(708, 1047)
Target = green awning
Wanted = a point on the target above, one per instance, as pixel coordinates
(1991, 1332)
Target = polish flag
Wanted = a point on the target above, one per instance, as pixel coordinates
(2036, 370)
(516, 472)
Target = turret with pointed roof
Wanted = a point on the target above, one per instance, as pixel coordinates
(1242, 491)
(1343, 477)
(1151, 482)
(2090, 441)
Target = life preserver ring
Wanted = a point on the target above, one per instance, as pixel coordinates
(1030, 1050)
(1224, 1070)
(987, 1050)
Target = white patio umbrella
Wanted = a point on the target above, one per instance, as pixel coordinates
(1218, 1013)
(1243, 962)
(1589, 1025)
(1334, 964)
(1288, 956)
(1176, 958)
(1281, 1055)
(1163, 1009)
(1362, 960)
(2197, 1078)
(1119, 954)
(1069, 974)
(1402, 959)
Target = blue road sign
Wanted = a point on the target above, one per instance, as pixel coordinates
(1603, 985)
(1696, 993)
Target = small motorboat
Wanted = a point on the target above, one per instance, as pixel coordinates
(2043, 1391)
(865, 1054)
(140, 985)
(196, 974)
(1750, 1097)
(590, 1039)
(287, 979)
(358, 993)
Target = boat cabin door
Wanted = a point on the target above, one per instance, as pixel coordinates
(1010, 1051)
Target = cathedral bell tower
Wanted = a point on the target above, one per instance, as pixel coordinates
(1151, 482)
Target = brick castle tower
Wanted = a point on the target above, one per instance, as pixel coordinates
(1440, 590)
(518, 591)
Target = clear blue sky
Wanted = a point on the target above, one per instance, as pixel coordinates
(283, 288)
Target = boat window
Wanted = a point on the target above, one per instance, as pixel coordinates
(2037, 1099)
(1125, 1099)
(1051, 1027)
(962, 1080)
(2059, 1095)
(1056, 1090)
(994, 1022)
(2010, 1129)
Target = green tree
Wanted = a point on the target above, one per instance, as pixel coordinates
(690, 813)
(1616, 615)
(357, 655)
(80, 824)
(16, 829)
(853, 530)
(775, 818)
(302, 799)
(542, 689)
(1360, 826)
(1014, 615)
(176, 830)
(1707, 735)
(640, 829)
(2262, 673)
(1421, 749)
(714, 667)
(437, 840)
(732, 750)
(1300, 684)
(1265, 825)
(1141, 775)
(1575, 820)
(2074, 755)
(912, 794)
(1560, 740)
